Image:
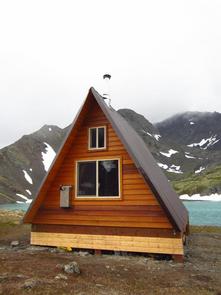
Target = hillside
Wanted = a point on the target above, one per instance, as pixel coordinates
(185, 146)
(205, 183)
(24, 163)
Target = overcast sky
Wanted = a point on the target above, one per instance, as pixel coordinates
(164, 58)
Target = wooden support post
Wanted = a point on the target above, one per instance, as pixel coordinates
(178, 258)
(97, 252)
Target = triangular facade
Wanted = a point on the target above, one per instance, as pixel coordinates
(116, 188)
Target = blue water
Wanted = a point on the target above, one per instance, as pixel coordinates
(204, 212)
(200, 212)
(12, 207)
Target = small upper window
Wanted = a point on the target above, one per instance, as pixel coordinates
(97, 138)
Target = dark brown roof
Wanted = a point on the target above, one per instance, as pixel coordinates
(137, 150)
(147, 166)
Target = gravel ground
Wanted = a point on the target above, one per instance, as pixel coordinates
(40, 270)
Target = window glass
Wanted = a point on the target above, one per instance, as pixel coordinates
(93, 133)
(108, 183)
(87, 178)
(100, 137)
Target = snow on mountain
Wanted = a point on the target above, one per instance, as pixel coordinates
(172, 169)
(28, 191)
(169, 153)
(175, 169)
(164, 166)
(27, 177)
(27, 200)
(198, 197)
(205, 143)
(48, 156)
(157, 136)
(200, 170)
(188, 156)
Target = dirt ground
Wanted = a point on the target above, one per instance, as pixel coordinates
(32, 270)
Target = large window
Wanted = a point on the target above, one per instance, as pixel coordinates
(97, 138)
(98, 178)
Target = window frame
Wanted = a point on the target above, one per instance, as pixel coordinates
(97, 138)
(97, 197)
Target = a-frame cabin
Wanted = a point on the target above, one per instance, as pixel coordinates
(105, 191)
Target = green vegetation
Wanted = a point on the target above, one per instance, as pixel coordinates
(205, 229)
(204, 183)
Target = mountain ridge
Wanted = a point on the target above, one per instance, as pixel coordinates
(184, 145)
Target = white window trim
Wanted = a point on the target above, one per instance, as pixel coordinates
(93, 196)
(105, 138)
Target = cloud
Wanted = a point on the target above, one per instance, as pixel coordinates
(164, 57)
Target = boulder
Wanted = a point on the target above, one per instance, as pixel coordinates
(30, 283)
(72, 267)
(14, 244)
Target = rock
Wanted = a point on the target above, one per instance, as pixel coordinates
(60, 276)
(99, 285)
(37, 248)
(14, 244)
(57, 250)
(83, 253)
(30, 283)
(72, 267)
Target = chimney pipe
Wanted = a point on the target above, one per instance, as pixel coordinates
(106, 94)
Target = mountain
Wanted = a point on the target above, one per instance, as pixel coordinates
(24, 163)
(186, 146)
(193, 129)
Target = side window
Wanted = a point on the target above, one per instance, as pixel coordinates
(97, 138)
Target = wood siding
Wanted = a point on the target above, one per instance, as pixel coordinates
(137, 206)
(110, 242)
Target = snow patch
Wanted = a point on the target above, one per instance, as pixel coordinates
(147, 133)
(188, 156)
(19, 202)
(197, 197)
(205, 142)
(49, 129)
(28, 191)
(157, 136)
(30, 169)
(192, 123)
(172, 168)
(199, 170)
(27, 200)
(48, 156)
(164, 166)
(169, 153)
(27, 177)
(175, 169)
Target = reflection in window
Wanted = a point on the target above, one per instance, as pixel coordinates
(108, 178)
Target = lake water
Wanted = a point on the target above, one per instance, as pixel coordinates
(201, 212)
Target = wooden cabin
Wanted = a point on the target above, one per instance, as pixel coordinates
(105, 191)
